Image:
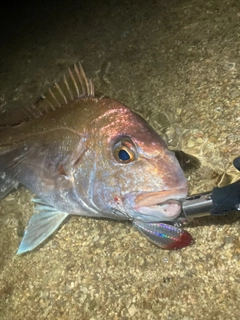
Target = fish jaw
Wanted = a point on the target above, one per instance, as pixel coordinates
(155, 206)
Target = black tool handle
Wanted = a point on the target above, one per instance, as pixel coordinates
(226, 199)
(219, 201)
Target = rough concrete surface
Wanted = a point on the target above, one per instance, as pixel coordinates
(178, 64)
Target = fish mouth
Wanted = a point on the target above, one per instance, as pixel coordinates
(157, 206)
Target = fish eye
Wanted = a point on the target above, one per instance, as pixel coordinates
(123, 152)
(123, 155)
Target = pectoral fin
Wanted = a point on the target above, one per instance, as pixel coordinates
(164, 235)
(41, 226)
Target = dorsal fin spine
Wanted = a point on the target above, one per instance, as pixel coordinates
(54, 97)
(80, 79)
(68, 88)
(84, 77)
(91, 86)
(61, 93)
(74, 82)
(45, 98)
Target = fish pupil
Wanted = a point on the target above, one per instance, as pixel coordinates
(123, 155)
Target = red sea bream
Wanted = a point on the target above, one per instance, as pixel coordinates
(91, 156)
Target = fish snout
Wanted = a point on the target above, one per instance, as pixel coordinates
(156, 206)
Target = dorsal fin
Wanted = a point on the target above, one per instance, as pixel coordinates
(74, 85)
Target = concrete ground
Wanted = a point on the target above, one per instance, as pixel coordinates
(178, 64)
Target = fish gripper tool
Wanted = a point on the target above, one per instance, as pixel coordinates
(219, 201)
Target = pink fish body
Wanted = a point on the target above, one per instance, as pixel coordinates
(91, 156)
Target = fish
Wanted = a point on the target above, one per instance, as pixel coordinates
(91, 156)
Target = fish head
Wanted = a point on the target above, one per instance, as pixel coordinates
(135, 174)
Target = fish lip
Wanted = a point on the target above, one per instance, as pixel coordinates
(146, 199)
(165, 211)
(157, 206)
